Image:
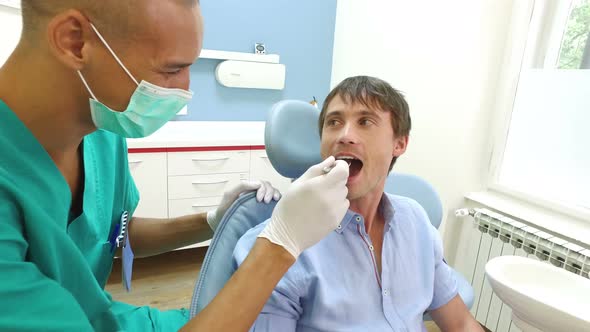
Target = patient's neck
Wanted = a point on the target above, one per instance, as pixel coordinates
(368, 207)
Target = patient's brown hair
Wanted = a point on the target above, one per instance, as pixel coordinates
(376, 94)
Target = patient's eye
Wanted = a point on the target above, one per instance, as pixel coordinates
(365, 122)
(331, 122)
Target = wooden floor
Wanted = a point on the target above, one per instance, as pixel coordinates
(166, 281)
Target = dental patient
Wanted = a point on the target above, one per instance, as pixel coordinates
(383, 267)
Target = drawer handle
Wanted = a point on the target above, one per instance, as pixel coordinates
(135, 161)
(204, 206)
(213, 159)
(212, 182)
(264, 157)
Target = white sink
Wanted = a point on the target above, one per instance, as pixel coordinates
(542, 297)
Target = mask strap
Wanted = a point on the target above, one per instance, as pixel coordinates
(113, 53)
(87, 86)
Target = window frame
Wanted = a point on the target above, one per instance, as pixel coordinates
(528, 46)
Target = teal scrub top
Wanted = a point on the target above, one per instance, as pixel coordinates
(53, 270)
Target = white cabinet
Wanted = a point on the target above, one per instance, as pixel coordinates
(151, 179)
(261, 169)
(183, 207)
(175, 184)
(214, 162)
(208, 185)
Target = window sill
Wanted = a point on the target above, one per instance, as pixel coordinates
(571, 229)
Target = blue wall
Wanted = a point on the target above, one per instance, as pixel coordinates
(300, 31)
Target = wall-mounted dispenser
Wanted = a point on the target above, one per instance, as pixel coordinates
(253, 75)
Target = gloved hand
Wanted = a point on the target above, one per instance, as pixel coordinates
(313, 207)
(264, 192)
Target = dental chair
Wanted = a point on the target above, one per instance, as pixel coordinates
(293, 145)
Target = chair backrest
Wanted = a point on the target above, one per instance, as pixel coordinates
(217, 268)
(418, 189)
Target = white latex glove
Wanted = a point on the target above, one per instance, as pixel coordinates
(312, 208)
(264, 192)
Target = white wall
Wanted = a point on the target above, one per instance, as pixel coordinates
(10, 29)
(445, 56)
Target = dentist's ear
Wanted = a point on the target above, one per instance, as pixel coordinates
(400, 145)
(67, 37)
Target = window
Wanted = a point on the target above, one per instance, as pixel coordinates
(543, 150)
(575, 45)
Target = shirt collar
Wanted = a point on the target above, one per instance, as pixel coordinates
(385, 207)
(349, 217)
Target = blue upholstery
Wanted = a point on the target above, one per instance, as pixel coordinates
(419, 190)
(290, 152)
(293, 144)
(217, 268)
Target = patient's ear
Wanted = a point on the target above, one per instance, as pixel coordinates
(400, 145)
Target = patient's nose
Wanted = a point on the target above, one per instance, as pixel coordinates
(348, 135)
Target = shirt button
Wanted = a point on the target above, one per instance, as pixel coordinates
(385, 292)
(339, 226)
(358, 219)
(371, 248)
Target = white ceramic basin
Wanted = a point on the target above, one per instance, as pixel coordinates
(542, 297)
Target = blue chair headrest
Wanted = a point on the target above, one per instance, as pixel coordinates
(291, 137)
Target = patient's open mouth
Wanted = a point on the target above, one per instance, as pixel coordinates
(355, 165)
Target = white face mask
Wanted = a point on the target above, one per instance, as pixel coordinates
(150, 106)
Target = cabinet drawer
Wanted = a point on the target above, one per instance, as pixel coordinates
(195, 186)
(190, 163)
(183, 207)
(150, 176)
(261, 169)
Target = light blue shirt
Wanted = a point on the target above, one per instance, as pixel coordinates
(335, 286)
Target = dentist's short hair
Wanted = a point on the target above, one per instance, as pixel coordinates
(112, 14)
(375, 94)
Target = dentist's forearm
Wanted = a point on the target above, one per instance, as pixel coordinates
(238, 304)
(155, 236)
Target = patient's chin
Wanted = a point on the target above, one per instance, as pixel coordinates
(353, 193)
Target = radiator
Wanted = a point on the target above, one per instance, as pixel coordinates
(496, 235)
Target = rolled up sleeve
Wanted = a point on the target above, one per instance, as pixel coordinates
(445, 284)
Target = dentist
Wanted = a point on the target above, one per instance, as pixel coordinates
(85, 76)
